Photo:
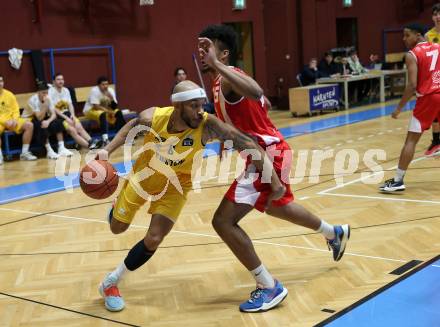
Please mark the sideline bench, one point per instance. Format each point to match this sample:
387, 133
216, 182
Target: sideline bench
11, 142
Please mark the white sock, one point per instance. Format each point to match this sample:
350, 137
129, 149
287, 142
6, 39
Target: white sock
25, 148
399, 175
49, 148
119, 272
327, 230
263, 277
104, 137
60, 145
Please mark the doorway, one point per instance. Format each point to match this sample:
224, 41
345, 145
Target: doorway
245, 50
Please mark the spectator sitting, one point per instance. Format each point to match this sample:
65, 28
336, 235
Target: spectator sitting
102, 107
362, 88
45, 122
327, 67
10, 120
355, 64
375, 63
310, 73
343, 68
63, 107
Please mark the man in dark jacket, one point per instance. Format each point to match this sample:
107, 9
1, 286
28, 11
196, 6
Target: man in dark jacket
310, 73
327, 67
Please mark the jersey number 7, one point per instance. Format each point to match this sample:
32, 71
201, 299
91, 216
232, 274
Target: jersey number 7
434, 55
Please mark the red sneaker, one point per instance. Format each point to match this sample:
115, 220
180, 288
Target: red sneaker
432, 150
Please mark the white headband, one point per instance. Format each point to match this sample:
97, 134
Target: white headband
188, 95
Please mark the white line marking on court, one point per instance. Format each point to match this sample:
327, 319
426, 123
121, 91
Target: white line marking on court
324, 192
381, 198
204, 235
435, 266
304, 198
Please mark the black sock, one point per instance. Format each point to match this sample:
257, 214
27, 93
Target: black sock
138, 255
436, 138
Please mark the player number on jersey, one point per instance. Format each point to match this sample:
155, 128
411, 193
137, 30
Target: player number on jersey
434, 55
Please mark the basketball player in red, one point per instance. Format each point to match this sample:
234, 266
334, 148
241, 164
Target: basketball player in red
424, 80
239, 101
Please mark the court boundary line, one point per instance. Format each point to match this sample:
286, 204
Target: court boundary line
329, 192
221, 242
66, 309
209, 235
377, 292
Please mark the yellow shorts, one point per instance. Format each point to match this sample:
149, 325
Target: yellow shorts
93, 114
66, 125
169, 204
18, 128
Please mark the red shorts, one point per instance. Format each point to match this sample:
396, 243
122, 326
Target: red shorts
256, 193
426, 111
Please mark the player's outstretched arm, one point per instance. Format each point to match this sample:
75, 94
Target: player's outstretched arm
410, 88
233, 80
145, 118
216, 129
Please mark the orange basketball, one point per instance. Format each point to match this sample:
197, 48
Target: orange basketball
98, 179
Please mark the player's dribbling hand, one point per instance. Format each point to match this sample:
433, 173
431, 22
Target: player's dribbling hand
102, 155
395, 114
207, 51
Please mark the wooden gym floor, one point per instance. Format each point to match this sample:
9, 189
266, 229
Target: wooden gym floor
56, 248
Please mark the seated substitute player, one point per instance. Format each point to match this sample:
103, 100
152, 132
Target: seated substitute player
62, 102
45, 120
239, 101
10, 120
102, 107
172, 146
423, 80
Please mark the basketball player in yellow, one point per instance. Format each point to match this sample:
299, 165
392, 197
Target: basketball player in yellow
10, 120
162, 173
433, 36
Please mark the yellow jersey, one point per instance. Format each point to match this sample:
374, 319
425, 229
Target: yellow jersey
171, 154
433, 36
8, 106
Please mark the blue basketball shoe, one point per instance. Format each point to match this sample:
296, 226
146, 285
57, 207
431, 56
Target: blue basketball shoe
263, 299
112, 298
338, 244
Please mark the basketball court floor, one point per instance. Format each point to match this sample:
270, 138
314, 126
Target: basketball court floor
56, 246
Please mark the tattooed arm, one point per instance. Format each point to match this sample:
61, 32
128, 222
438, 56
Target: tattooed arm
145, 118
216, 129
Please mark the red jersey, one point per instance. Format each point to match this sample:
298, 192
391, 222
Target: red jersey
428, 68
249, 116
